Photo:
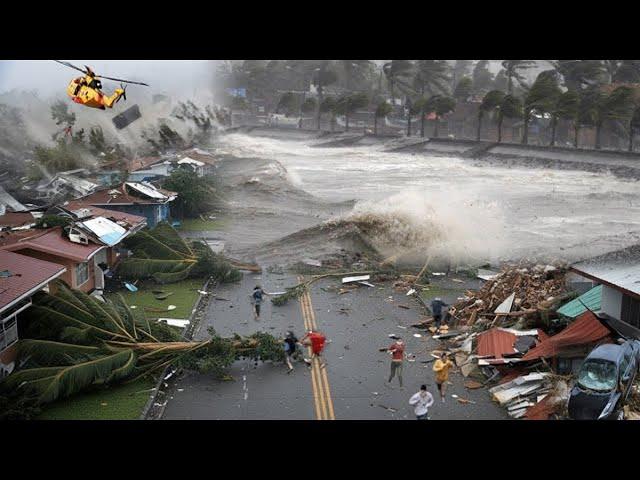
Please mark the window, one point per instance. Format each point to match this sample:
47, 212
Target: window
598, 375
82, 273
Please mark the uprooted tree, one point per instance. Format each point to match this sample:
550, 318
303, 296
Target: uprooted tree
160, 254
73, 342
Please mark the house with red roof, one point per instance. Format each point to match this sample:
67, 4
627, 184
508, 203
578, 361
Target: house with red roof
21, 277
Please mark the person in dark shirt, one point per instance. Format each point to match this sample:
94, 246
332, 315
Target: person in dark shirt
436, 310
256, 299
290, 346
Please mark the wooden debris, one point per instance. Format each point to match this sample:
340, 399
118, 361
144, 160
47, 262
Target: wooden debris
472, 384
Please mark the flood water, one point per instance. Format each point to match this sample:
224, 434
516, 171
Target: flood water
461, 209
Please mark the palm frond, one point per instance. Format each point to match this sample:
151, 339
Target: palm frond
53, 383
50, 352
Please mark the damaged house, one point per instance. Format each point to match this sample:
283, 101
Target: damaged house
136, 198
618, 274
87, 247
20, 278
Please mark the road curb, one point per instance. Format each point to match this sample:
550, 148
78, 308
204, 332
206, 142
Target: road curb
148, 413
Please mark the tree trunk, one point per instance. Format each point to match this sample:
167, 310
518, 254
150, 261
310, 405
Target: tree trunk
422, 124
435, 129
479, 127
393, 98
576, 128
631, 137
409, 125
554, 124
346, 119
319, 100
510, 85
598, 130
500, 129
333, 122
525, 133
375, 125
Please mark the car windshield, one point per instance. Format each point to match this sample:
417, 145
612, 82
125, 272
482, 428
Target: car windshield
598, 375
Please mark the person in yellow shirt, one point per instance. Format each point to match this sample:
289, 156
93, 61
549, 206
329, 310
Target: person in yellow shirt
441, 367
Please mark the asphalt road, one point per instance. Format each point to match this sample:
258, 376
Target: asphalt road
353, 385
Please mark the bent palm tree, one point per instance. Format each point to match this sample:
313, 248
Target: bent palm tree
490, 102
74, 341
161, 254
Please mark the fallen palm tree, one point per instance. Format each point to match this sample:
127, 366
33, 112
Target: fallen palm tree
161, 254
75, 342
298, 290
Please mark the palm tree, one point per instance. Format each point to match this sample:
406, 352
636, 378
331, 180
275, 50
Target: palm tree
420, 106
328, 105
73, 342
482, 77
382, 110
490, 103
395, 70
627, 72
512, 70
580, 74
463, 89
461, 69
541, 98
510, 107
598, 107
355, 70
566, 107
323, 77
348, 104
441, 106
432, 76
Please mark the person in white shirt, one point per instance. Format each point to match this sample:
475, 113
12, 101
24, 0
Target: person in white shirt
422, 401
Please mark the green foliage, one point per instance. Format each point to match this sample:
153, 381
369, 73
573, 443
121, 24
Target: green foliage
432, 76
97, 141
580, 74
49, 221
60, 113
482, 77
510, 107
512, 69
288, 102
348, 104
60, 158
161, 254
383, 109
463, 89
195, 194
239, 103
309, 105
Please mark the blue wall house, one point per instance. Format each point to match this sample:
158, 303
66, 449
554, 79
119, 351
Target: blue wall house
141, 199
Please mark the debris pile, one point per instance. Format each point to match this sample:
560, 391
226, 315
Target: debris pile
527, 293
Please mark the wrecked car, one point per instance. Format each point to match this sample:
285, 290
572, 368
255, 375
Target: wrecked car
604, 382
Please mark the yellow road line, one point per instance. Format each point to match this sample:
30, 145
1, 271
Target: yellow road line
320, 373
315, 369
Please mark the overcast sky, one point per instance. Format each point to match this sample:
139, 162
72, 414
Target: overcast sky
49, 77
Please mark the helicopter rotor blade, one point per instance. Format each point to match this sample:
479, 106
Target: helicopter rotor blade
70, 65
121, 80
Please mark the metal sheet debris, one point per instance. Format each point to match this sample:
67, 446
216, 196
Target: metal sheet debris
356, 279
175, 322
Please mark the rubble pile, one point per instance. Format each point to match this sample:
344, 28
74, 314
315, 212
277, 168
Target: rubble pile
533, 290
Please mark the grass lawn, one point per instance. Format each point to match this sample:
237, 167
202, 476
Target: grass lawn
184, 298
199, 225
120, 402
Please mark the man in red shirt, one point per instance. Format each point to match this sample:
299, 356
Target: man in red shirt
316, 341
396, 350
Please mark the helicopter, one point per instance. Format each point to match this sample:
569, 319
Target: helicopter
87, 90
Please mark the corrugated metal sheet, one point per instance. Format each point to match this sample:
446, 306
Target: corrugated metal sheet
107, 231
592, 299
620, 268
587, 328
496, 343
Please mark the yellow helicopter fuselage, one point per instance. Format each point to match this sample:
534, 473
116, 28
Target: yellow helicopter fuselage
80, 92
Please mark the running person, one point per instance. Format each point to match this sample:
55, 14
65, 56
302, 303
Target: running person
396, 350
256, 299
422, 401
290, 345
441, 367
316, 341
